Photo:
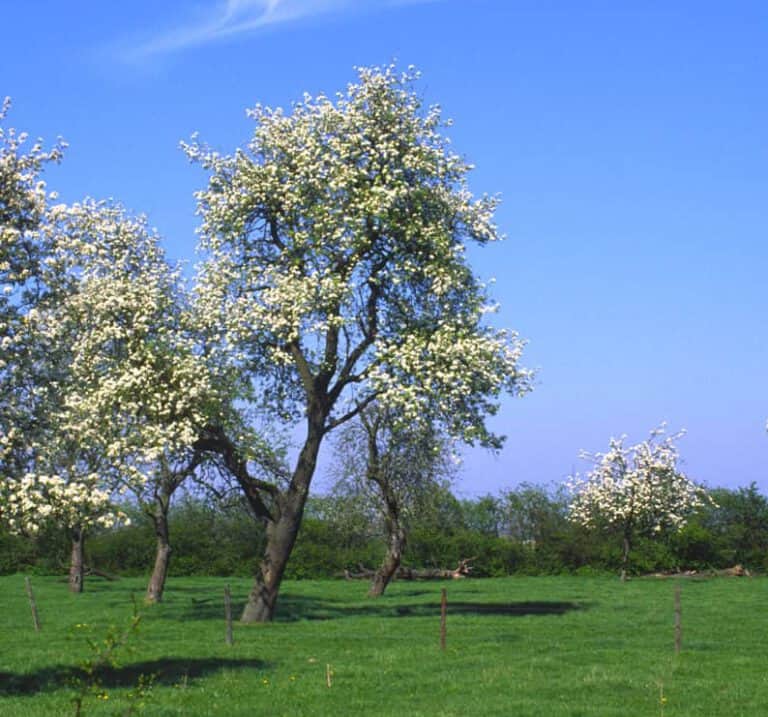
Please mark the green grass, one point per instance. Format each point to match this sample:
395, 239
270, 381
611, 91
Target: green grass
516, 646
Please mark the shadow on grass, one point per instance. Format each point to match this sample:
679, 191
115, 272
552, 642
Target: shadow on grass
168, 671
485, 608
292, 608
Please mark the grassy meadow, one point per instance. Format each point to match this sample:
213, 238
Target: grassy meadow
546, 646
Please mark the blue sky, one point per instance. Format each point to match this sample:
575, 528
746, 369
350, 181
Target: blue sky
629, 142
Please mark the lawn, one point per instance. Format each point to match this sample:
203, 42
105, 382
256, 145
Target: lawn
544, 646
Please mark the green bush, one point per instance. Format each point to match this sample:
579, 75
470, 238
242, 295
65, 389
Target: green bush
523, 532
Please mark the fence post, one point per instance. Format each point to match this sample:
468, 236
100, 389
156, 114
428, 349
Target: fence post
228, 615
443, 615
32, 604
678, 621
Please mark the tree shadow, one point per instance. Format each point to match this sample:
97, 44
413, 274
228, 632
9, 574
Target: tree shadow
166, 671
414, 593
293, 608
485, 608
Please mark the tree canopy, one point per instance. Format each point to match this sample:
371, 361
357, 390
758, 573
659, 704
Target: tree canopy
337, 238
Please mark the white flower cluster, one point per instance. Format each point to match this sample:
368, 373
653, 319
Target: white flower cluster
136, 385
638, 486
34, 500
23, 202
462, 368
336, 251
122, 385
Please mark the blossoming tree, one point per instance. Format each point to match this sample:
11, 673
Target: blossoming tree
105, 386
57, 484
337, 276
635, 489
136, 388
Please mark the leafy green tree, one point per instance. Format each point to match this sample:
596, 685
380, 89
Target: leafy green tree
484, 515
738, 523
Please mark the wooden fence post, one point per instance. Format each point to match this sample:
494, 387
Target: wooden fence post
228, 615
32, 604
443, 616
678, 621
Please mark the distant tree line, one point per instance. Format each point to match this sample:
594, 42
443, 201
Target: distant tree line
521, 531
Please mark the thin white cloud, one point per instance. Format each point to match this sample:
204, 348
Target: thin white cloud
237, 17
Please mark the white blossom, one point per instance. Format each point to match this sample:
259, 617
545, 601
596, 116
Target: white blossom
335, 249
636, 487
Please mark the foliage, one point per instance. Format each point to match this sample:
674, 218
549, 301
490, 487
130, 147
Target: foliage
381, 453
735, 530
340, 532
484, 515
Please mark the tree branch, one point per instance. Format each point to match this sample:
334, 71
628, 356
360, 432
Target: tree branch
217, 442
351, 413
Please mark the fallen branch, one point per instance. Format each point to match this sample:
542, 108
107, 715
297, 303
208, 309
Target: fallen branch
89, 571
737, 571
462, 570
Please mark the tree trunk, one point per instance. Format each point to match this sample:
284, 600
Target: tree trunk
396, 538
281, 537
167, 482
389, 566
156, 584
77, 561
283, 528
625, 557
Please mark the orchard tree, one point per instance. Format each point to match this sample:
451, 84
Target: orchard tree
136, 388
635, 489
337, 276
398, 466
105, 383
57, 484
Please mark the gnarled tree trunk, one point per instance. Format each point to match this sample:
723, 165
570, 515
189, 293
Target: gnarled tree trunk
77, 560
283, 527
168, 481
390, 564
156, 584
396, 539
281, 537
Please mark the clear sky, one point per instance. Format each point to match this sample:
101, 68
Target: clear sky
629, 142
